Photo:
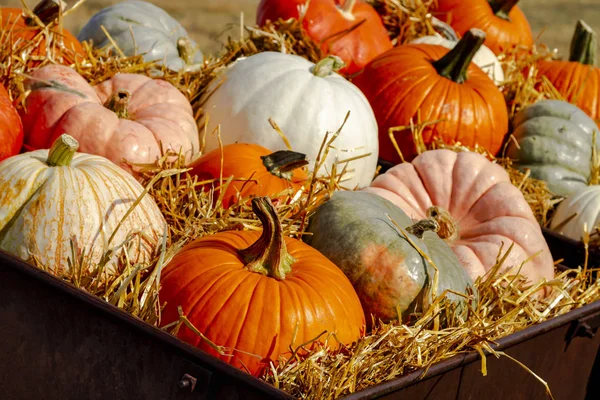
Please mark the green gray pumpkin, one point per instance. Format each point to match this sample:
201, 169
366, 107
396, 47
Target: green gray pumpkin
156, 34
385, 268
555, 140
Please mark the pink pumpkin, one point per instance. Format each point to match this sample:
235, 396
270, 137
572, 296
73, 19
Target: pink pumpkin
483, 210
123, 118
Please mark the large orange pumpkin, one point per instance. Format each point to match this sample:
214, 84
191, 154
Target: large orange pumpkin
256, 171
502, 20
578, 79
26, 29
257, 293
11, 128
434, 84
350, 29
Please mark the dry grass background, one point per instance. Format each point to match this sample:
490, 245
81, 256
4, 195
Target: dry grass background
209, 22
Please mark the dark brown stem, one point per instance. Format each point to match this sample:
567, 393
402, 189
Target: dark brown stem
455, 63
583, 44
118, 103
186, 50
422, 226
62, 151
268, 255
448, 230
282, 163
502, 7
46, 11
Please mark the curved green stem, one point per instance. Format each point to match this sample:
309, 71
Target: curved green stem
327, 66
455, 63
118, 103
62, 151
583, 44
282, 163
268, 255
502, 7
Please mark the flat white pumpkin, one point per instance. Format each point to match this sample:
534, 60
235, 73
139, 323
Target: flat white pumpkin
47, 200
484, 58
579, 208
287, 89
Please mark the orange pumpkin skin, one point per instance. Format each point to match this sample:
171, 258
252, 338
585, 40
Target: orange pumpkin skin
13, 20
326, 21
11, 128
502, 33
403, 83
253, 313
243, 162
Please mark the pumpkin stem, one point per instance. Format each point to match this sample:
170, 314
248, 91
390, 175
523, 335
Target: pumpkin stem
448, 230
327, 66
502, 7
422, 226
186, 50
62, 151
268, 255
282, 163
46, 11
583, 44
455, 63
118, 103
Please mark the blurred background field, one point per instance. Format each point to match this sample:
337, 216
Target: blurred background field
209, 22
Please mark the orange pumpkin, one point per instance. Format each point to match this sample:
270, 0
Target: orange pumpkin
26, 29
578, 79
11, 128
442, 87
256, 171
256, 293
502, 20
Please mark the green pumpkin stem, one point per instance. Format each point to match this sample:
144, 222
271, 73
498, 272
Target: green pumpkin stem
455, 63
268, 255
502, 8
327, 66
118, 103
46, 11
282, 163
62, 151
186, 50
583, 44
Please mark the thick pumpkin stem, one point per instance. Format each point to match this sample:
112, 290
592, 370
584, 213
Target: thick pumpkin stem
455, 63
268, 255
282, 163
118, 103
62, 151
583, 44
327, 66
186, 50
448, 229
503, 7
422, 226
46, 11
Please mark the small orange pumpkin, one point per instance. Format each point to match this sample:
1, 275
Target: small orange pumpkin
256, 293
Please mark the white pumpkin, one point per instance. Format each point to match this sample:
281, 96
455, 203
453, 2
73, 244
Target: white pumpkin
484, 58
579, 208
305, 100
48, 197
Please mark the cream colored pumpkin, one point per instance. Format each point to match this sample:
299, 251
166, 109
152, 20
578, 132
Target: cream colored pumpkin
47, 199
305, 100
578, 209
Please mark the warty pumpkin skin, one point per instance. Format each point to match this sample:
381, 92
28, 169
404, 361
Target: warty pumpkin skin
48, 197
350, 29
502, 20
389, 274
256, 171
580, 208
553, 139
123, 118
250, 291
486, 211
11, 128
305, 100
139, 27
436, 84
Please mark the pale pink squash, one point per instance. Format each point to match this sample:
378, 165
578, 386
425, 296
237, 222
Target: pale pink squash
123, 118
486, 211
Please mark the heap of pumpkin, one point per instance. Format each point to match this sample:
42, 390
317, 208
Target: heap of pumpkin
265, 129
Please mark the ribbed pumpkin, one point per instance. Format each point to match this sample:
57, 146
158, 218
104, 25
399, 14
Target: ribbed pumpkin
579, 211
257, 292
350, 29
502, 20
50, 197
256, 171
436, 84
11, 128
26, 29
578, 79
